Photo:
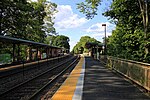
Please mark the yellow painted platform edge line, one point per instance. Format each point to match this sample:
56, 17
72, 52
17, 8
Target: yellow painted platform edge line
67, 80
79, 87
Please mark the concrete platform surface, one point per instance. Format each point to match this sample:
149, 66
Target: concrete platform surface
101, 84
90, 80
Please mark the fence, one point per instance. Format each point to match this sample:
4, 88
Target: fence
136, 71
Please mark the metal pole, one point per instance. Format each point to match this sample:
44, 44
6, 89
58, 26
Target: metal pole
23, 67
14, 46
18, 56
105, 49
37, 49
30, 53
105, 42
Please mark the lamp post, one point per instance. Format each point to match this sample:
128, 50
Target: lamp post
105, 48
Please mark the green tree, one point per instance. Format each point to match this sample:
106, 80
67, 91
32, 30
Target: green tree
89, 8
59, 40
50, 39
145, 13
27, 20
35, 26
50, 9
128, 38
130, 15
80, 46
14, 15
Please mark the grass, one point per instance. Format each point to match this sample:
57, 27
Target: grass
5, 58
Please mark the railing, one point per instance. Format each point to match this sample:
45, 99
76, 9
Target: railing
136, 71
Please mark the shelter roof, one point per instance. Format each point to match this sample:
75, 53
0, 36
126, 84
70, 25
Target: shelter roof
12, 40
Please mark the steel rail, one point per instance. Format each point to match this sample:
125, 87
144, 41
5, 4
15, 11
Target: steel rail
53, 79
9, 90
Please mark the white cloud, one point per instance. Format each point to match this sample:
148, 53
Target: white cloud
97, 28
65, 18
32, 0
101, 34
72, 44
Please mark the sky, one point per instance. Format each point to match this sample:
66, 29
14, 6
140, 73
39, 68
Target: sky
73, 24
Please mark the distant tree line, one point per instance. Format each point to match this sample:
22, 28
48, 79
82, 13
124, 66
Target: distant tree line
80, 46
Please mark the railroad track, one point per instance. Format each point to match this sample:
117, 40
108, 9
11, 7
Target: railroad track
31, 88
13, 76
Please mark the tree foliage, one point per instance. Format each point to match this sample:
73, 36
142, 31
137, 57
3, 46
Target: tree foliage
59, 40
127, 40
131, 38
80, 46
26, 20
50, 9
50, 39
89, 8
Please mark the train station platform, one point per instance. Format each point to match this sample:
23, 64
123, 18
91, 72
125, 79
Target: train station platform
90, 80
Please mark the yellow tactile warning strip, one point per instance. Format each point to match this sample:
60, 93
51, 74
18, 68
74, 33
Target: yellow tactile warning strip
66, 91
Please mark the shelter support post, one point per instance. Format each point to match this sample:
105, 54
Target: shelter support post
14, 46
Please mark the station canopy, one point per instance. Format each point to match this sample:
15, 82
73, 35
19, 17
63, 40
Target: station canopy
7, 39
